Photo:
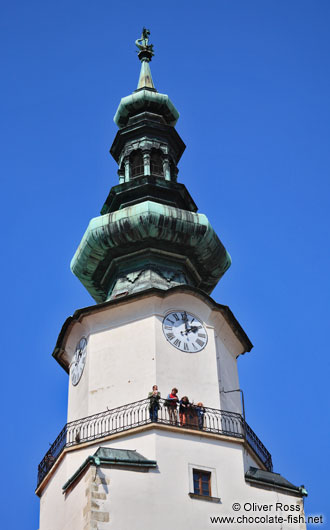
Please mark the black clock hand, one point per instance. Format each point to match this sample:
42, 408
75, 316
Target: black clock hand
194, 329
185, 320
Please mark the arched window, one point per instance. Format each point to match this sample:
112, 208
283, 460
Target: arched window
137, 168
156, 163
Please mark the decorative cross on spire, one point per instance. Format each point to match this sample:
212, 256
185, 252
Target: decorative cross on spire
146, 50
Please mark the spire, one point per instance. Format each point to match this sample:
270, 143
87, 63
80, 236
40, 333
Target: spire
145, 97
145, 55
149, 234
145, 79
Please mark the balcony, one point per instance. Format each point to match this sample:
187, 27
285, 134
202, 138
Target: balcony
137, 414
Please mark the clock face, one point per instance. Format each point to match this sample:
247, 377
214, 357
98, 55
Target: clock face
184, 331
78, 362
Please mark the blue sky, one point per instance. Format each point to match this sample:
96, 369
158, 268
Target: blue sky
251, 81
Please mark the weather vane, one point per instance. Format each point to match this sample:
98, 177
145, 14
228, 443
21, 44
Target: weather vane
146, 50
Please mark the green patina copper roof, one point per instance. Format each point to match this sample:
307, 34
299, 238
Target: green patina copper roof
123, 456
114, 457
169, 230
268, 478
146, 100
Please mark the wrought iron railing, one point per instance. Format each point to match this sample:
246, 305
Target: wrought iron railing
138, 413
258, 447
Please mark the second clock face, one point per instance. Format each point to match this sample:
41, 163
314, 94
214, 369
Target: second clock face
79, 360
184, 331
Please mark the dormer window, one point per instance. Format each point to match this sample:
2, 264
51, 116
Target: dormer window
137, 167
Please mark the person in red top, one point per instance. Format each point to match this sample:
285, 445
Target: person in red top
171, 402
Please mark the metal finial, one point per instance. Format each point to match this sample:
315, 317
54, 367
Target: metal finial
146, 50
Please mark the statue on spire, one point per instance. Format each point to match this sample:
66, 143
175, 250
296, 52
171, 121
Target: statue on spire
146, 50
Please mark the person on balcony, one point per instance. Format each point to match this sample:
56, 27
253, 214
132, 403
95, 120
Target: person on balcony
200, 414
171, 403
184, 410
154, 398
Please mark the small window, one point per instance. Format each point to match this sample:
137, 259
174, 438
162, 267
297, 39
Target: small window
137, 168
202, 482
156, 165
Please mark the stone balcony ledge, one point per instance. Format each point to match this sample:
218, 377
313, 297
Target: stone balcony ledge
133, 415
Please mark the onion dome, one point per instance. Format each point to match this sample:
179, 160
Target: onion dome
149, 234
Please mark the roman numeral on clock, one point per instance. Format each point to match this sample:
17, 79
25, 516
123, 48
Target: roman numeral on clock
184, 331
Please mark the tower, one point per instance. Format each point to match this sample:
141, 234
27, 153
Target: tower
127, 456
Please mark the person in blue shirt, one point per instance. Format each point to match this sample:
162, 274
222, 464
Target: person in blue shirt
200, 414
154, 398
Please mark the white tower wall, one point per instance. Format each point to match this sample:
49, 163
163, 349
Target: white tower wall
127, 353
114, 497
